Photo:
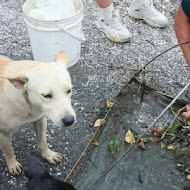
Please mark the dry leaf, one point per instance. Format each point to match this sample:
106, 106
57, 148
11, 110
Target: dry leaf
97, 142
109, 104
99, 122
170, 147
141, 144
157, 139
188, 121
173, 138
130, 139
163, 136
156, 129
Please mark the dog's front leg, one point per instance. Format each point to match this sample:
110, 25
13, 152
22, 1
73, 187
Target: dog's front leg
12, 164
40, 127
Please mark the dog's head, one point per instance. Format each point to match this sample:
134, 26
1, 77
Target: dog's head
40, 179
47, 88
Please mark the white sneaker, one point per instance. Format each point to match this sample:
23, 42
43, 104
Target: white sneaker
113, 28
145, 10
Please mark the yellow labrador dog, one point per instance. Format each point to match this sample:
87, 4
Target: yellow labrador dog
30, 91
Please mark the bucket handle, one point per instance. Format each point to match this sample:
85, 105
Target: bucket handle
81, 39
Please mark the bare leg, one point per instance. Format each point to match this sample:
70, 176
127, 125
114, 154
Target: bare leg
104, 3
12, 164
40, 127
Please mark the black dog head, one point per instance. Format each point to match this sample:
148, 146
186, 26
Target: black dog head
40, 179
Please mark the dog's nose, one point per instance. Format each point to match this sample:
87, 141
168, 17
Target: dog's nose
68, 120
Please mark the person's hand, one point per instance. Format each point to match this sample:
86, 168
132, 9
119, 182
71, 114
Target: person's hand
187, 113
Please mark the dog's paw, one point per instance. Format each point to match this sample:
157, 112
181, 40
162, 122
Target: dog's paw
51, 156
15, 168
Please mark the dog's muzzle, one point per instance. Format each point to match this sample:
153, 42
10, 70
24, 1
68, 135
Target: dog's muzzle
68, 120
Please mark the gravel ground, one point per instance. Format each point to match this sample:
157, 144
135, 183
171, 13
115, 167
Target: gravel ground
100, 74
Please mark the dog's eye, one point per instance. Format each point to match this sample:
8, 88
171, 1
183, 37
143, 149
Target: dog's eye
47, 95
69, 91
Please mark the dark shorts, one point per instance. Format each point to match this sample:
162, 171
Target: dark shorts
185, 4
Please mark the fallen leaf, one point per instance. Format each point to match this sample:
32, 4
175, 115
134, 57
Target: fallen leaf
179, 165
109, 104
188, 121
173, 138
99, 122
188, 177
170, 147
178, 151
97, 142
145, 139
187, 170
129, 138
163, 136
162, 145
157, 139
141, 144
174, 127
114, 146
157, 129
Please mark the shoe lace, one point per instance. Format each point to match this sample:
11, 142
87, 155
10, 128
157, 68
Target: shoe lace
115, 19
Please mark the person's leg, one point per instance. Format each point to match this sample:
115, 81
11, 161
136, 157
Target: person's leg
106, 7
109, 22
144, 9
104, 3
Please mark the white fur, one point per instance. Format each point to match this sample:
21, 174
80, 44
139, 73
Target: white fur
23, 85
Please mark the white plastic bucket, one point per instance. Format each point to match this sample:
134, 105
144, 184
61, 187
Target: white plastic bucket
48, 38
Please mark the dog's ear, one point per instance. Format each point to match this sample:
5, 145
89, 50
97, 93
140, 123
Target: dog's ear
19, 82
61, 57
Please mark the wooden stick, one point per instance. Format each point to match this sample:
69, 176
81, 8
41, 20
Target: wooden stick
94, 135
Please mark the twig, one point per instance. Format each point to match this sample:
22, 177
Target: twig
138, 72
81, 155
94, 135
173, 135
132, 146
119, 67
177, 114
172, 122
185, 171
186, 127
143, 85
103, 97
88, 158
132, 78
176, 117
